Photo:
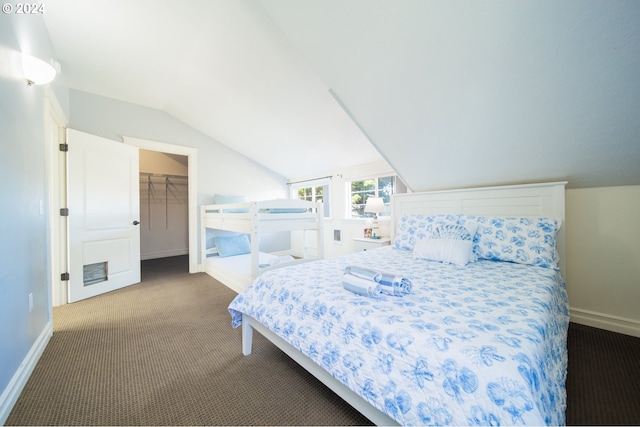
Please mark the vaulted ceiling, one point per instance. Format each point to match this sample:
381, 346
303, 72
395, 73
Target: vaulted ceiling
450, 92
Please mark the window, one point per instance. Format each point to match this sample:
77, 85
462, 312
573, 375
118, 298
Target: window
317, 192
383, 187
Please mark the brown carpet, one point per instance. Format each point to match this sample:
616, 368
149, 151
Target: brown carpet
162, 352
603, 379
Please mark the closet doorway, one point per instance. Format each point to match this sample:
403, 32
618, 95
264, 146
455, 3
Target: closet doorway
175, 156
164, 205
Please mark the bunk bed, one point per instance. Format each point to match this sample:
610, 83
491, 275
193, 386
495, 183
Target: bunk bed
249, 220
480, 341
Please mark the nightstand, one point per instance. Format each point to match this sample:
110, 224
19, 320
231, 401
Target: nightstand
365, 244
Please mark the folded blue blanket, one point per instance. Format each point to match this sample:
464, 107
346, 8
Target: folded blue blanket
363, 273
361, 286
390, 283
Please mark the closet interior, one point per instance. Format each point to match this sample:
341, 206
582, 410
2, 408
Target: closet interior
164, 201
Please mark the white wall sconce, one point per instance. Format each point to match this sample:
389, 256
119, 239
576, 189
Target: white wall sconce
36, 71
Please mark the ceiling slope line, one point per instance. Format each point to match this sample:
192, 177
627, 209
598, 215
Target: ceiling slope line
366, 135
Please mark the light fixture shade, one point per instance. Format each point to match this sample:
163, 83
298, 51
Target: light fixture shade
374, 205
36, 71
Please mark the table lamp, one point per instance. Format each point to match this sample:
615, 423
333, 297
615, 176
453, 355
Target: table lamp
375, 205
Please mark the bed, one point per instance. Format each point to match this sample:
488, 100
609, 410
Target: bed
476, 341
236, 259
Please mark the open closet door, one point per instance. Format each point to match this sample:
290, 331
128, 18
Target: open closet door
104, 209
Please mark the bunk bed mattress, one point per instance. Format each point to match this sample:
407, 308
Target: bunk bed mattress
238, 267
480, 344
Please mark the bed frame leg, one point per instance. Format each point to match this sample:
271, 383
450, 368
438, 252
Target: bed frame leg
247, 337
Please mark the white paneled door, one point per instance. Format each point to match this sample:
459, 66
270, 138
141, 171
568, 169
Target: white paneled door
104, 208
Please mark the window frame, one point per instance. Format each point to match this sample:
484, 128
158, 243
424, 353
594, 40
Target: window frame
295, 187
376, 193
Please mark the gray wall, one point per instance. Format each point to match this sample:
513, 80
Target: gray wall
220, 169
24, 254
25, 257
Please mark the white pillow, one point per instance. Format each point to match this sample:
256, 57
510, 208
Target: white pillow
450, 243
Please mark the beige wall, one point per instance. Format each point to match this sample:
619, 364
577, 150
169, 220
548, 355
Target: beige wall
603, 257
163, 163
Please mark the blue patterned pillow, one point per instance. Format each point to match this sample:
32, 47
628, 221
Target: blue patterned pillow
521, 240
411, 228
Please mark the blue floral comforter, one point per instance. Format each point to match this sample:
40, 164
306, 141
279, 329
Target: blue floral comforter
475, 345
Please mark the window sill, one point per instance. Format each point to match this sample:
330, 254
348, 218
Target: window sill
381, 221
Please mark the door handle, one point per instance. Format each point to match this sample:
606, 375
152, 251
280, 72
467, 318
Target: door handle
136, 222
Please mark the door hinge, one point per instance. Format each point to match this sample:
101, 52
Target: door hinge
64, 276
64, 147
64, 212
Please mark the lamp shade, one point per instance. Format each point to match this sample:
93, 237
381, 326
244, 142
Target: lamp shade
36, 71
374, 205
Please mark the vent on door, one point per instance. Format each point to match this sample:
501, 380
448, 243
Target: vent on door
95, 273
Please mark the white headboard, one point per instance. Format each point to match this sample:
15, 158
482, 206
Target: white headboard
526, 200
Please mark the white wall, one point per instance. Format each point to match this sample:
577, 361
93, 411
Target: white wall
453, 93
603, 257
339, 194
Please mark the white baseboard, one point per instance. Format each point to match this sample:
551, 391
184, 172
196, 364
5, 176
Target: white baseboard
296, 254
282, 253
606, 321
311, 253
14, 388
154, 255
